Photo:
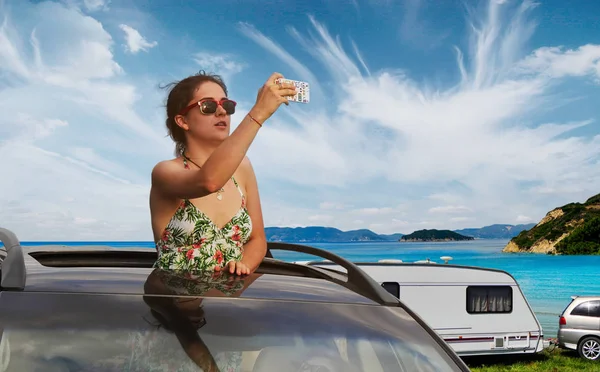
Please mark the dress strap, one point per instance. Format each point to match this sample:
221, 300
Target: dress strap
238, 186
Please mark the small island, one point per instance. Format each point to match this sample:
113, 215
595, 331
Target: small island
434, 235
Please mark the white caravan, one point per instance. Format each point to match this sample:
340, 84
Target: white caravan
477, 311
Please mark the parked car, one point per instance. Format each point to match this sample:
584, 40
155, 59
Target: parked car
579, 327
96, 309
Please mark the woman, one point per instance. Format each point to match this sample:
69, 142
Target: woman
204, 204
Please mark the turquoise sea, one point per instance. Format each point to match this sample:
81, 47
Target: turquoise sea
547, 281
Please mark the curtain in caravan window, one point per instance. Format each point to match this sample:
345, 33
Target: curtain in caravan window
489, 299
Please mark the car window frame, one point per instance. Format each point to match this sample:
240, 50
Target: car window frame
587, 303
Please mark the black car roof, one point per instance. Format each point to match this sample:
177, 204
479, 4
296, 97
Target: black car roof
132, 280
124, 271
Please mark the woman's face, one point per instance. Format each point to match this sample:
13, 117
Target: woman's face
206, 127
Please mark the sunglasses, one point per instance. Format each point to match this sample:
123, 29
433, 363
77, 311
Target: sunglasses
209, 106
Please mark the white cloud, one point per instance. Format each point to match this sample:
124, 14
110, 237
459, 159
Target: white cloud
446, 197
30, 129
396, 223
320, 218
373, 211
376, 147
415, 29
330, 205
523, 219
461, 219
329, 51
556, 62
86, 56
135, 41
303, 72
223, 64
69, 59
73, 142
53, 197
483, 132
95, 5
449, 209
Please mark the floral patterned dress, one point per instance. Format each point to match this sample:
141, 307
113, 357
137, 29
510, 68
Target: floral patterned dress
191, 242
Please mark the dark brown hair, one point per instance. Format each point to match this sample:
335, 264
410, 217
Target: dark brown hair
180, 94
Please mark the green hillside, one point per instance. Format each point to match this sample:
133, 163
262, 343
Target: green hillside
573, 228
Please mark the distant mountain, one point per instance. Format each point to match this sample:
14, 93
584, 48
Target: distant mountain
434, 235
321, 234
496, 231
392, 237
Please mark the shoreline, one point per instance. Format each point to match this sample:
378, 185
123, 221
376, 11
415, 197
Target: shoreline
128, 243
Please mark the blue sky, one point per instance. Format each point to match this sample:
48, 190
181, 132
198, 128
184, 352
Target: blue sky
422, 115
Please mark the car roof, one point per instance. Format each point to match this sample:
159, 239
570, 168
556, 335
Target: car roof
100, 269
264, 285
585, 298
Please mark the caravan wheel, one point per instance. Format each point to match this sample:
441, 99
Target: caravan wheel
589, 348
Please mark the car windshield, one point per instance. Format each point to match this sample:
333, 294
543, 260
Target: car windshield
152, 332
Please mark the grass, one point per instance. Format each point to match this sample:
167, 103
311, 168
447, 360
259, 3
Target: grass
549, 360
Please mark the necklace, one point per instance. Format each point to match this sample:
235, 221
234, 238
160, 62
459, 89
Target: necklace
186, 159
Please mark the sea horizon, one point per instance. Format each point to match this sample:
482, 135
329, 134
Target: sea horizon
149, 243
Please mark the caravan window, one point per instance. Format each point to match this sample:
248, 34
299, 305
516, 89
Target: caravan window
489, 299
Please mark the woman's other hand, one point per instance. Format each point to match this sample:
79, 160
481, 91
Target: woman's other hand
235, 267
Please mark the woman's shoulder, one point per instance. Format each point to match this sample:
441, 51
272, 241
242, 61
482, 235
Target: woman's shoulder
245, 172
166, 166
168, 162
246, 166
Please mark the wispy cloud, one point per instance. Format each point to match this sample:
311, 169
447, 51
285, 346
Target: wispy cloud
375, 148
556, 62
219, 63
96, 5
135, 42
415, 29
449, 209
479, 131
523, 219
328, 51
271, 46
73, 122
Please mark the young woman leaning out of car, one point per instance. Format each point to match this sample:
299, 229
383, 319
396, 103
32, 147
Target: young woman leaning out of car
204, 204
